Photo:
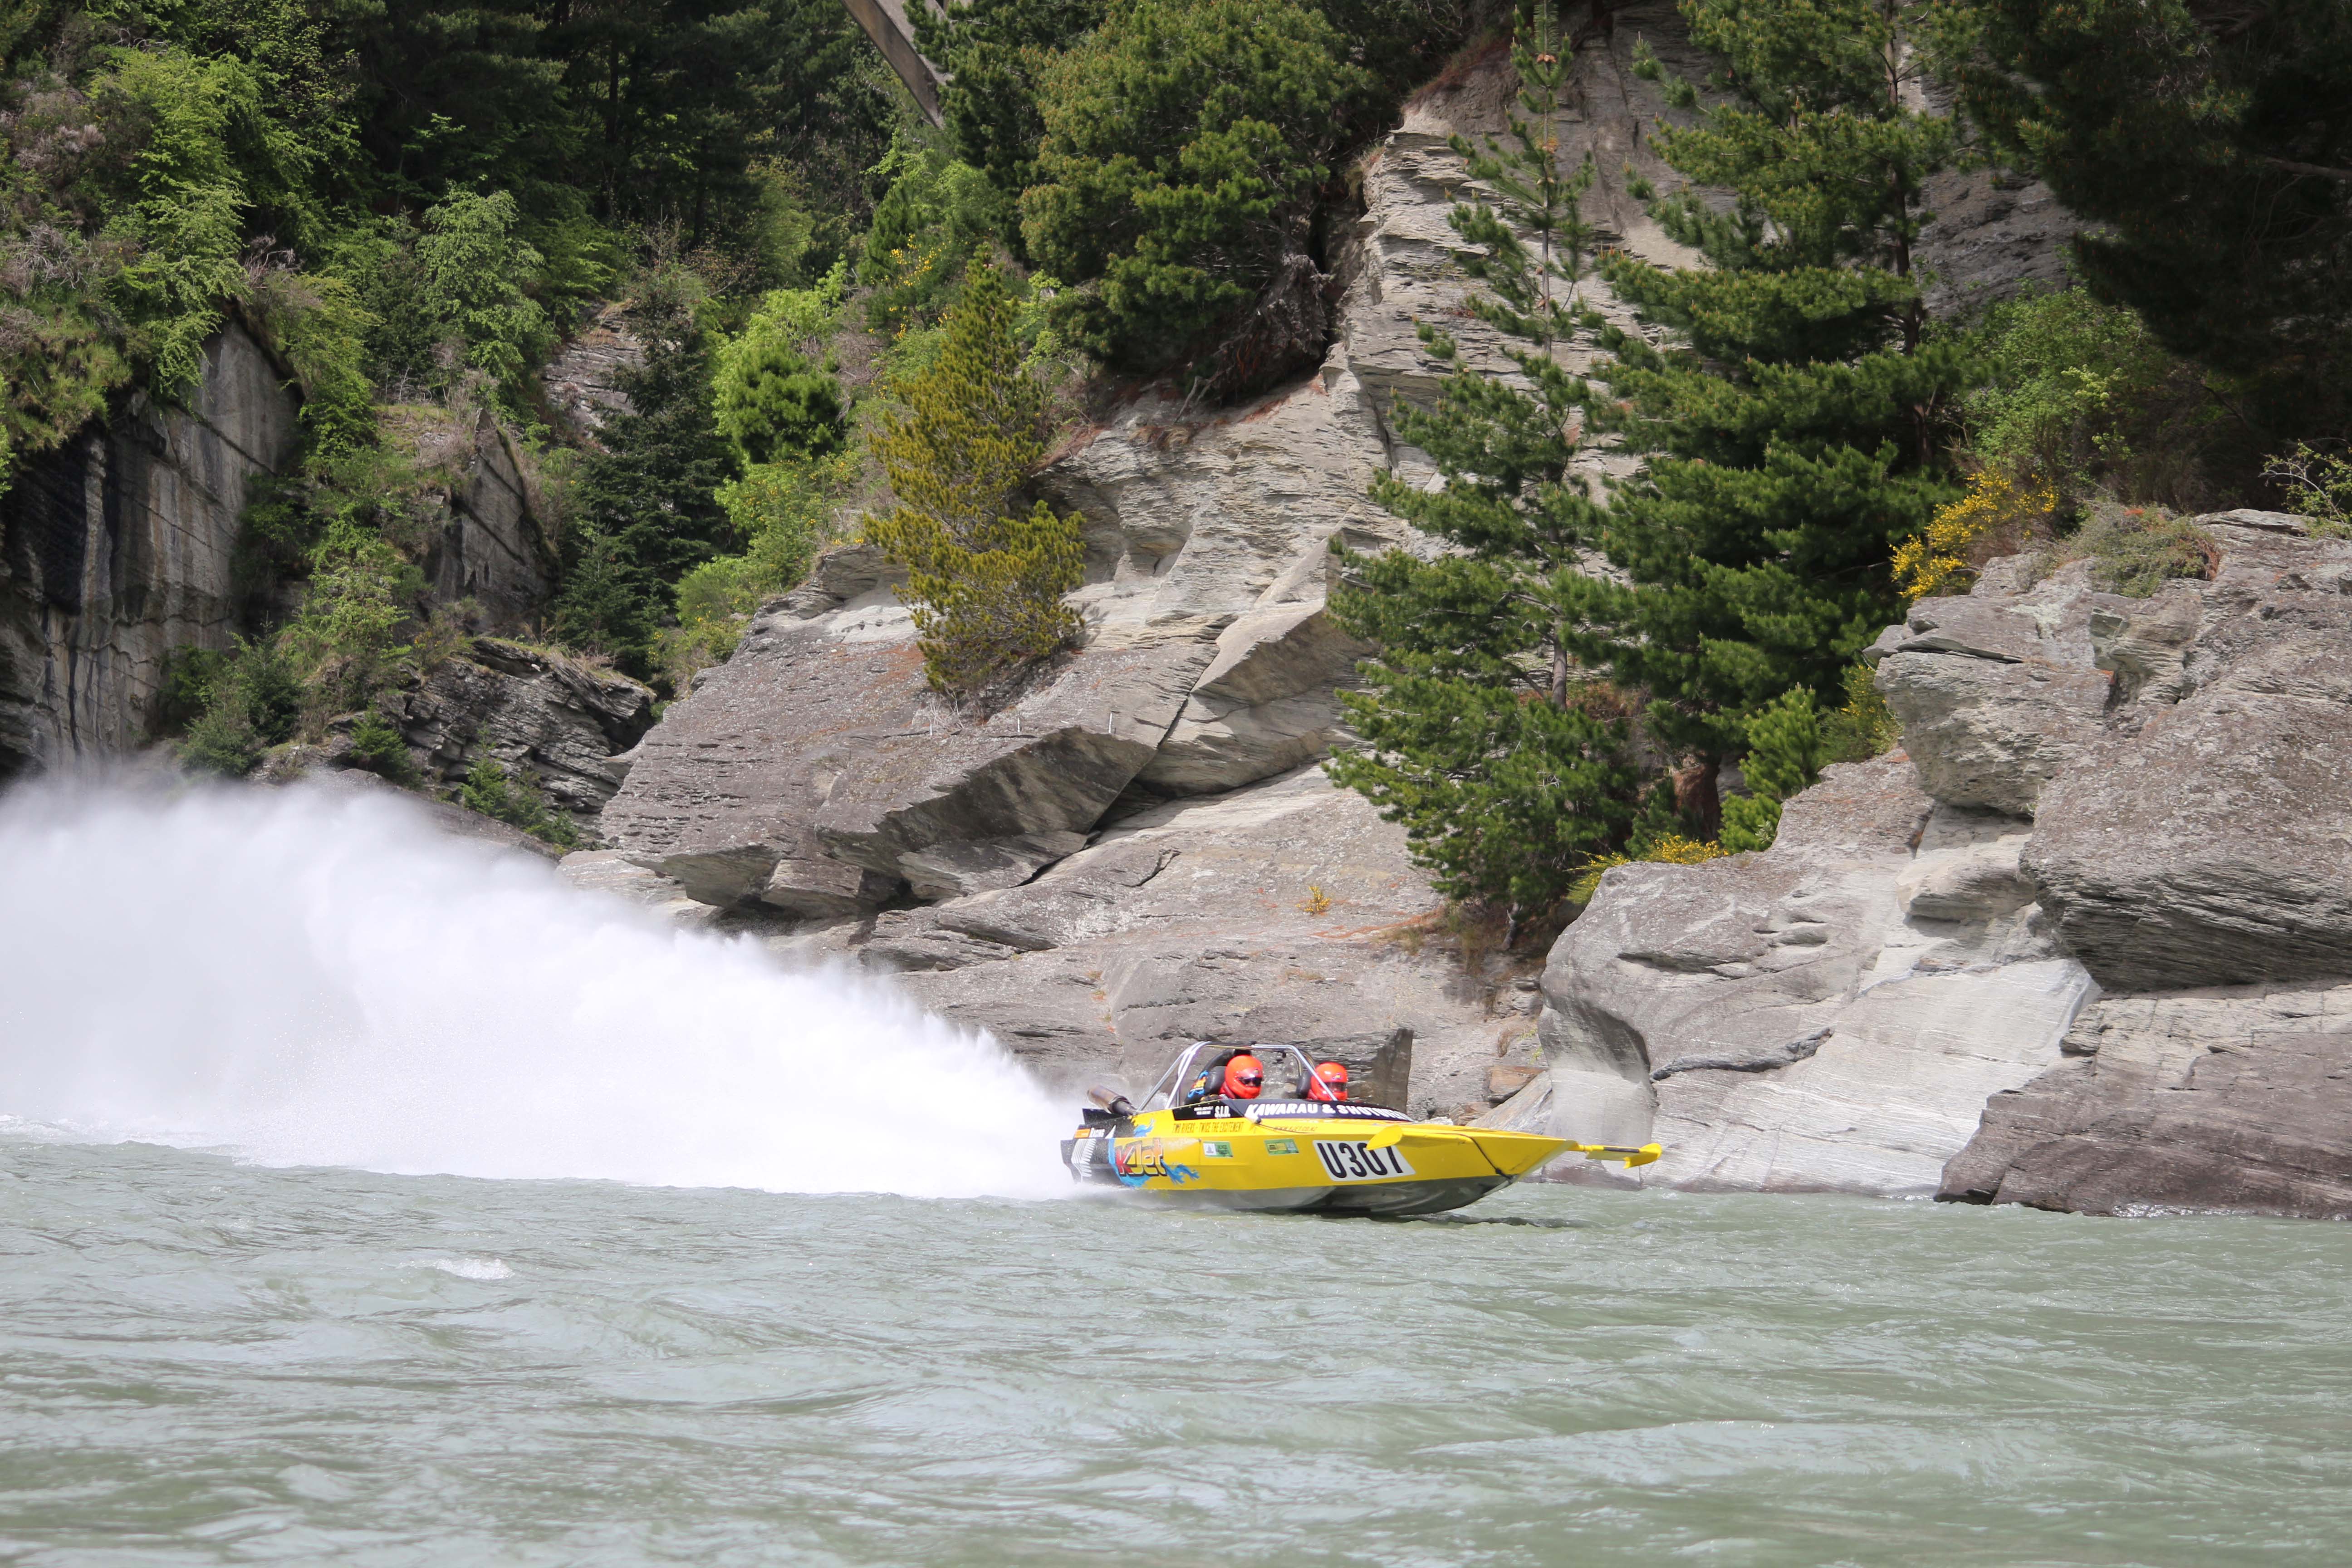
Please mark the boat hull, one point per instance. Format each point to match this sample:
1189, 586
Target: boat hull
1305, 1166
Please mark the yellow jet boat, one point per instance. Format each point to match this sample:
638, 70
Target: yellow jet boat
1299, 1152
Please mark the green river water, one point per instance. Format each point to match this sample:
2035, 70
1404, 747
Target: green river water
204, 1362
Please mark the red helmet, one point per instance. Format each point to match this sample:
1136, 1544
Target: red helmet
1330, 1081
1245, 1075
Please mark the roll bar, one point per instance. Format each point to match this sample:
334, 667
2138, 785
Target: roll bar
1180, 1073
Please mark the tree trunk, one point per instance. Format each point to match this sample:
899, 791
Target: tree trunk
1697, 794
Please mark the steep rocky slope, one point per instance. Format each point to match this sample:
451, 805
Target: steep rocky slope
116, 548
1123, 856
2081, 944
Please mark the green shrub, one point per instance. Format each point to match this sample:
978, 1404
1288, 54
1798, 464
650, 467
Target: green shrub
985, 584
938, 215
771, 400
1184, 143
1787, 748
346, 640
995, 52
646, 508
2318, 484
785, 509
234, 705
379, 747
1865, 727
221, 741
2135, 551
2079, 395
318, 325
515, 800
190, 674
474, 266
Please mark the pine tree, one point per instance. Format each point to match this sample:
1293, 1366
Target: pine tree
648, 507
2212, 145
1793, 425
1507, 772
985, 585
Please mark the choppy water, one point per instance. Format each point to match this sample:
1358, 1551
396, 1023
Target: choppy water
203, 1362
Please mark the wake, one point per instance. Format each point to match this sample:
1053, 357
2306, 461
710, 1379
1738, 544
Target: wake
320, 980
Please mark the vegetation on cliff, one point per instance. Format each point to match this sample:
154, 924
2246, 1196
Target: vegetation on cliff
846, 312
985, 579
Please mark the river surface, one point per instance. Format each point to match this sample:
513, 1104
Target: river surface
208, 1362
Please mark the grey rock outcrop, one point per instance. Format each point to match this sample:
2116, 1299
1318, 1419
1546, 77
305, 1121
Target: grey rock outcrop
490, 548
2110, 970
1285, 910
1829, 1015
1997, 691
2199, 842
585, 376
2211, 1101
562, 722
118, 548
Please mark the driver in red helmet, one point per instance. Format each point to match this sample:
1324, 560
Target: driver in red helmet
1245, 1077
1329, 1082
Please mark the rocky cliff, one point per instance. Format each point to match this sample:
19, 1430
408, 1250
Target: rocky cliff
2083, 944
117, 547
1139, 848
121, 545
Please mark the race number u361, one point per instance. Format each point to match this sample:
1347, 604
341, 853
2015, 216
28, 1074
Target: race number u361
1351, 1161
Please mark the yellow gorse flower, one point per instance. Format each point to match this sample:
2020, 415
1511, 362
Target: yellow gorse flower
1931, 561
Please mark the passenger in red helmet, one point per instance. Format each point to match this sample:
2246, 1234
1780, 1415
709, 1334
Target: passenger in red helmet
1329, 1082
1245, 1075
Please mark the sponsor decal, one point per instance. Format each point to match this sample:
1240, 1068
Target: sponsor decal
1265, 1110
1215, 1150
1137, 1161
1350, 1161
1282, 1145
1215, 1111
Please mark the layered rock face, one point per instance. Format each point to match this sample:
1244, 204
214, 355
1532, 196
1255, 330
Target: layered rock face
563, 722
2103, 885
1829, 1015
998, 861
116, 549
490, 548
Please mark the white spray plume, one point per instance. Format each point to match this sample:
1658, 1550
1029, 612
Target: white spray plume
317, 980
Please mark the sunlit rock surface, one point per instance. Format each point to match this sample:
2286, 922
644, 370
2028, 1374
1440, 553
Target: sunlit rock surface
2109, 966
813, 779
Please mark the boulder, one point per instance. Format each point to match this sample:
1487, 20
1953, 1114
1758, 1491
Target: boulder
820, 742
2198, 1101
2196, 842
2000, 690
1829, 1015
611, 875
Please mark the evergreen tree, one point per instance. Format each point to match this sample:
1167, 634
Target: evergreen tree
995, 54
1185, 141
985, 584
1792, 428
1506, 771
648, 507
2212, 145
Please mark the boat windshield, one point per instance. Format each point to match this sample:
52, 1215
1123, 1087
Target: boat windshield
1284, 1065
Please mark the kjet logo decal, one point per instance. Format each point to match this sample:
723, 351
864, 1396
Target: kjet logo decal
1137, 1162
